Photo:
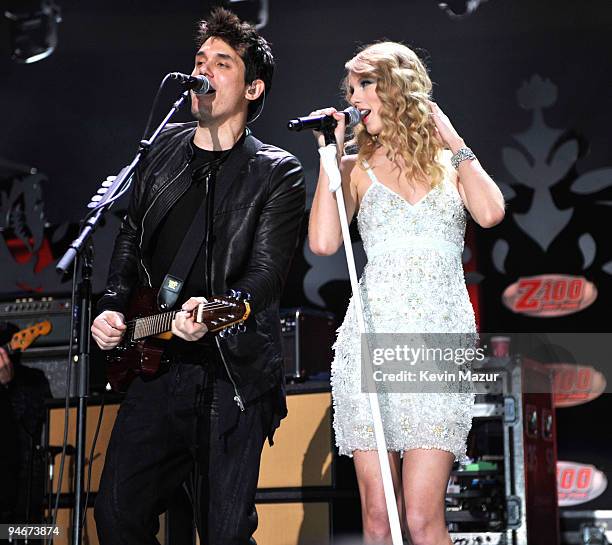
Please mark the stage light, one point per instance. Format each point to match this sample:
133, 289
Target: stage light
33, 34
459, 8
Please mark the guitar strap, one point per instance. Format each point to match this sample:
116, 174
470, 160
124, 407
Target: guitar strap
184, 259
197, 234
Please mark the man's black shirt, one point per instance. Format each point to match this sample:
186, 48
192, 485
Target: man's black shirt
175, 225
170, 234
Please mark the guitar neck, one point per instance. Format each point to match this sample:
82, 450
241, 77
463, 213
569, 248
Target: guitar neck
25, 337
150, 326
217, 314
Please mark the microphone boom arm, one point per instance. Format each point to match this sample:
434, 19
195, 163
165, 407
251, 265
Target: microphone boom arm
118, 187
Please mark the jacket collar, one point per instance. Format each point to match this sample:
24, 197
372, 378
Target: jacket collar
233, 168
227, 179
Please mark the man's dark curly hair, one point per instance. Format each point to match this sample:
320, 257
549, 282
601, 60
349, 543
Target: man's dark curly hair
253, 49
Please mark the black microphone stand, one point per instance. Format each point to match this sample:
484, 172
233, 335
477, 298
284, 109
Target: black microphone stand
80, 250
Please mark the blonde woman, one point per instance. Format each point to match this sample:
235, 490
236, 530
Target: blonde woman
410, 183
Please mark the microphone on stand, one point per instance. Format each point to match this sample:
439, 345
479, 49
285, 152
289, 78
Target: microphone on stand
200, 85
317, 122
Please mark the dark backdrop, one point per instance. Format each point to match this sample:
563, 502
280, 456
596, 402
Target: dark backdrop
526, 83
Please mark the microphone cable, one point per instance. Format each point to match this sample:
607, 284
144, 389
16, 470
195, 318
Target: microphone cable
60, 475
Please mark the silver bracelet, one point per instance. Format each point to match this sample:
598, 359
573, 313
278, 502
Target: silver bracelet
461, 155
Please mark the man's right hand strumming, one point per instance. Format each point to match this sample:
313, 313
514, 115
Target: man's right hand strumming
108, 329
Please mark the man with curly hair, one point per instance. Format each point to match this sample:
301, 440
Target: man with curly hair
201, 423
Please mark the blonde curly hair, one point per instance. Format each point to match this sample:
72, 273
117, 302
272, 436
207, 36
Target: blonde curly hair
408, 131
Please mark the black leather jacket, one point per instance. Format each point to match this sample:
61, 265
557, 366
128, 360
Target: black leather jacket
258, 207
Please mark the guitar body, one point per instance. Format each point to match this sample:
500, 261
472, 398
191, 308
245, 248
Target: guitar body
125, 363
140, 351
133, 358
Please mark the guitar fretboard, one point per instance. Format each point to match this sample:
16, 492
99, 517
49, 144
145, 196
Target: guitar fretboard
160, 323
150, 325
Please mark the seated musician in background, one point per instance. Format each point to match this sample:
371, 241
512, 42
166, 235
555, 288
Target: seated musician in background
204, 418
9, 453
7, 371
22, 413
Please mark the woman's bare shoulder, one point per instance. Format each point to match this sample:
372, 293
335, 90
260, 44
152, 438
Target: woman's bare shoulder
347, 167
348, 161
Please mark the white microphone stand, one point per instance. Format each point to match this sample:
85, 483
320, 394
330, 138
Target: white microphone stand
330, 165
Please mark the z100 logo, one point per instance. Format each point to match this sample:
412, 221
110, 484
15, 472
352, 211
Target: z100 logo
575, 384
578, 483
549, 295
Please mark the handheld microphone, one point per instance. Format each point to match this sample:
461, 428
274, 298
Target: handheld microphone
200, 85
317, 122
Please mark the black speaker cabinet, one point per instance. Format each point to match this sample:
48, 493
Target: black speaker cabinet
308, 336
53, 363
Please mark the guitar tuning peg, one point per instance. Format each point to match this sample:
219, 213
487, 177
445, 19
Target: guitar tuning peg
223, 333
241, 327
233, 330
238, 294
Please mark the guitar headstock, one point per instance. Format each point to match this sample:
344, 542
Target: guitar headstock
24, 338
221, 313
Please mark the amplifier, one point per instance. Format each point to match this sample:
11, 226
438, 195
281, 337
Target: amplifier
308, 336
303, 463
22, 313
53, 362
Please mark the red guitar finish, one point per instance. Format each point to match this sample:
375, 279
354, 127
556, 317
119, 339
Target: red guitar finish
142, 346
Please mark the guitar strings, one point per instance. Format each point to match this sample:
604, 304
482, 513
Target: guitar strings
150, 325
210, 306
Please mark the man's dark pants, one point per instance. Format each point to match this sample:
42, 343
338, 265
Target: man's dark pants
167, 433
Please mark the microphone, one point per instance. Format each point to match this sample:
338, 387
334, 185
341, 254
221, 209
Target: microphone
317, 122
200, 85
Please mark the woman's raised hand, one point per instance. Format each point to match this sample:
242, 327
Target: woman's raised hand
338, 131
447, 133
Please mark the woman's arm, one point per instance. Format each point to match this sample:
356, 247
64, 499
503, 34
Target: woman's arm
479, 192
324, 231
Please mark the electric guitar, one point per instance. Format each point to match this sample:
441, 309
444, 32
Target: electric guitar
141, 348
25, 337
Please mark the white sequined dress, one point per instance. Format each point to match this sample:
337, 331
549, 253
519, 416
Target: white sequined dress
413, 282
